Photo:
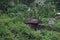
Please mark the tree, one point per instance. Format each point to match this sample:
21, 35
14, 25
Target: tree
27, 2
3, 5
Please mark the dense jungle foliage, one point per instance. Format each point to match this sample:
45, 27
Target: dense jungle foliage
14, 12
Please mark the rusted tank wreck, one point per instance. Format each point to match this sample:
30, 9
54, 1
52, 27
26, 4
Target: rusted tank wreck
34, 24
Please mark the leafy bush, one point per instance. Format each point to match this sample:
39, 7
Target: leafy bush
13, 29
56, 26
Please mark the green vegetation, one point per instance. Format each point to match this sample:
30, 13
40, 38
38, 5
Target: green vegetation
12, 17
13, 29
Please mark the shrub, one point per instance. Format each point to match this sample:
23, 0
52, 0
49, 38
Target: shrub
13, 29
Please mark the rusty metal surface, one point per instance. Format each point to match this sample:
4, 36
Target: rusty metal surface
32, 20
